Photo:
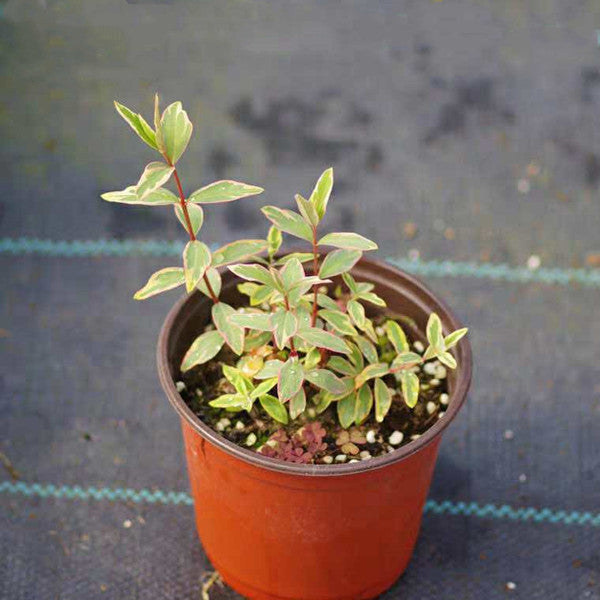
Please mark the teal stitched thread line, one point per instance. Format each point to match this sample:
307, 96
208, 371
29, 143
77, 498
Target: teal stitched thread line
432, 268
466, 509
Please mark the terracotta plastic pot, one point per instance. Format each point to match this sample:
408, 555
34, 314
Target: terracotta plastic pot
276, 530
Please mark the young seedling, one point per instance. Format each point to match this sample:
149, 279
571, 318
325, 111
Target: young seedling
303, 342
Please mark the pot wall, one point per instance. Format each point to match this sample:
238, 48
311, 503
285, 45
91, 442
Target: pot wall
276, 530
274, 535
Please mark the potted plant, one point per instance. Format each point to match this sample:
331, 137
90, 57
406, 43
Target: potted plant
313, 388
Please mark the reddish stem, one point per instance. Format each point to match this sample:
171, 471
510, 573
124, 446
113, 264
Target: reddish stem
190, 228
313, 318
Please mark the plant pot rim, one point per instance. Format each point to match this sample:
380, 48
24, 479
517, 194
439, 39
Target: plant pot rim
457, 394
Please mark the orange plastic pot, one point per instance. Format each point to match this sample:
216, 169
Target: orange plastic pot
281, 531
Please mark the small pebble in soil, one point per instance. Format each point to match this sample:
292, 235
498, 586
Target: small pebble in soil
522, 478
418, 346
239, 425
429, 368
440, 415
444, 399
180, 386
371, 436
127, 523
311, 412
328, 460
365, 455
434, 382
341, 458
251, 439
353, 460
440, 372
511, 585
431, 407
396, 438
509, 434
415, 437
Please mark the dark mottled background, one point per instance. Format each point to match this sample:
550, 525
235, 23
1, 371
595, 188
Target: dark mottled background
464, 129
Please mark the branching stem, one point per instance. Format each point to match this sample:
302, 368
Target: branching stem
189, 227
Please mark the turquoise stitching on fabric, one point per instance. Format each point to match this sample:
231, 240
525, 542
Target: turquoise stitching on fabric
466, 509
431, 268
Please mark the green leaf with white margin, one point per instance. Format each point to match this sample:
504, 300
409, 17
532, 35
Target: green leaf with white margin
367, 348
203, 348
138, 124
301, 256
290, 379
370, 372
326, 380
322, 402
253, 273
339, 321
383, 400
298, 403
339, 261
224, 191
270, 369
364, 404
307, 210
322, 191
312, 358
155, 174
214, 278
174, 132
323, 339
238, 380
434, 332
291, 273
410, 388
288, 221
357, 313
196, 259
161, 281
451, 340
346, 410
274, 240
372, 298
232, 401
356, 357
233, 334
350, 283
447, 359
326, 302
348, 241
274, 408
262, 388
253, 320
159, 197
406, 360
195, 213
397, 336
285, 326
238, 251
341, 365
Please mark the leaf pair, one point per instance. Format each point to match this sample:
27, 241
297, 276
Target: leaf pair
438, 345
247, 393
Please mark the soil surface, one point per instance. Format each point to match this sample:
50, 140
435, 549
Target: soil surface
317, 438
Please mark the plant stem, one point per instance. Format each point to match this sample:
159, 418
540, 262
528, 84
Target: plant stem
313, 318
190, 228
